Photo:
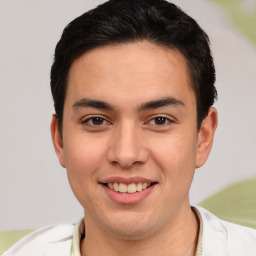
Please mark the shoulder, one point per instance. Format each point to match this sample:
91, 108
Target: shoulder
225, 237
49, 241
241, 240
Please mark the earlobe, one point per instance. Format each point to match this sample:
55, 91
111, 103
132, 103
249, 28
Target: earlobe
57, 140
205, 137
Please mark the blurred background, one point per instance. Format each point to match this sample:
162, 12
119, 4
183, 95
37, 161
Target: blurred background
34, 190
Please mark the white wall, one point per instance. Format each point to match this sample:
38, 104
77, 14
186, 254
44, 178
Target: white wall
34, 190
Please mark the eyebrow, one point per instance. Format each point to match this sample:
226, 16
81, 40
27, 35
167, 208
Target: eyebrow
161, 103
85, 103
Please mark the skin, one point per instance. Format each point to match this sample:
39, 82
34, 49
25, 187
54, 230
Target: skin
127, 141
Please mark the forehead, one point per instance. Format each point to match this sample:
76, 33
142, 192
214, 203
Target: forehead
129, 70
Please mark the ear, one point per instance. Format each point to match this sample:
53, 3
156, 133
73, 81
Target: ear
205, 137
57, 140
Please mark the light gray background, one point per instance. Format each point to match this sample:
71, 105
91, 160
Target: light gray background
34, 190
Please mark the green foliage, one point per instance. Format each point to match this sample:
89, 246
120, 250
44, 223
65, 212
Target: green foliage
10, 237
244, 19
236, 203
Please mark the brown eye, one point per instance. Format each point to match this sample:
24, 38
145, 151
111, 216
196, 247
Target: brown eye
97, 120
160, 120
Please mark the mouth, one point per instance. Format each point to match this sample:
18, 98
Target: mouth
128, 191
128, 188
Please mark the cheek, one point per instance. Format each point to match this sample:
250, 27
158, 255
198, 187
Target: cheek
83, 158
176, 156
81, 155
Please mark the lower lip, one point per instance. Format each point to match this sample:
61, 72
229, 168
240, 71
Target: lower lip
126, 198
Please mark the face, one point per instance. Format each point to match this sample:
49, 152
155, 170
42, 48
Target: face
130, 140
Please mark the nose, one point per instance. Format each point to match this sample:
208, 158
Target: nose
126, 148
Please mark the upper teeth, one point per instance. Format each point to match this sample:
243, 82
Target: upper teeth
130, 188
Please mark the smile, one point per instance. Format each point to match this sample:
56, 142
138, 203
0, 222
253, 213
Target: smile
128, 188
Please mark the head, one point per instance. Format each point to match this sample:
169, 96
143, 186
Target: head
133, 85
121, 22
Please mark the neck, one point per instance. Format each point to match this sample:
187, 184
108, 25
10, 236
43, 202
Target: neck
178, 238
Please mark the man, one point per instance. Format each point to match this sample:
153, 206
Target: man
133, 89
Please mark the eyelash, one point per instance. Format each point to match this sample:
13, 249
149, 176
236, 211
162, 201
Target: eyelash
89, 121
161, 118
94, 118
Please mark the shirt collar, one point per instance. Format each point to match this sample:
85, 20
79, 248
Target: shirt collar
199, 249
78, 234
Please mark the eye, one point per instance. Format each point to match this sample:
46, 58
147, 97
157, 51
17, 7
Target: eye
160, 121
95, 121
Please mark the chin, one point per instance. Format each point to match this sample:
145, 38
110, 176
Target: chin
131, 233
131, 227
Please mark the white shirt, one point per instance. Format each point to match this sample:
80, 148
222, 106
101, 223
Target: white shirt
216, 238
